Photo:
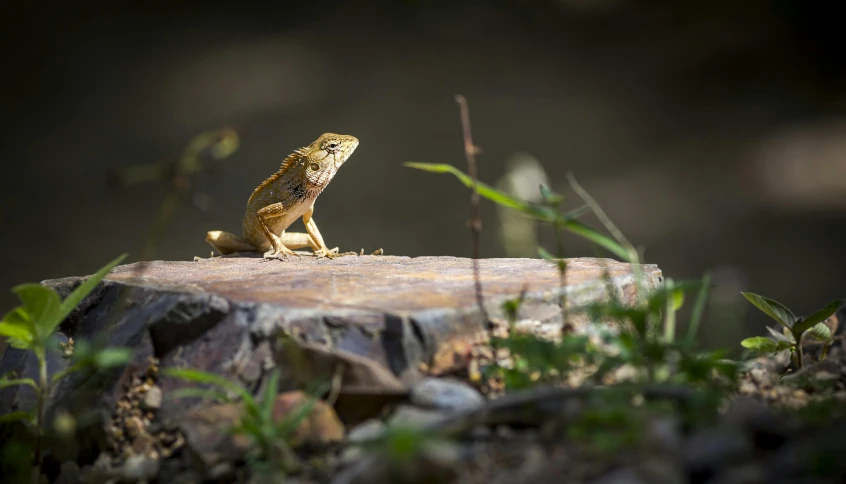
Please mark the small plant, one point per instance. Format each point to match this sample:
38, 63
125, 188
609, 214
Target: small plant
794, 331
271, 440
32, 327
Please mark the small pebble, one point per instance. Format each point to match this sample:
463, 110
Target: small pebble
153, 398
446, 394
139, 467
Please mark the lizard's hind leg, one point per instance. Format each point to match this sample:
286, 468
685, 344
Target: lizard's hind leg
297, 240
227, 243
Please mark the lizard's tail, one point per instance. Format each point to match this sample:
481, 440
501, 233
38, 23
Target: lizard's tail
226, 243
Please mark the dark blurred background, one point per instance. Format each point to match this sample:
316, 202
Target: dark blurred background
713, 133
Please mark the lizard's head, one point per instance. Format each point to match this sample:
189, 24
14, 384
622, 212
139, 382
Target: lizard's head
325, 155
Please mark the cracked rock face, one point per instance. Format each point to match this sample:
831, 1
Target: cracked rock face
219, 315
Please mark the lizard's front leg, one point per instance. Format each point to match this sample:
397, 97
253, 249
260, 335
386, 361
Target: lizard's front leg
264, 216
318, 245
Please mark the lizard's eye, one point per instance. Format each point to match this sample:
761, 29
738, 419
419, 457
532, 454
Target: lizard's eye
314, 166
333, 146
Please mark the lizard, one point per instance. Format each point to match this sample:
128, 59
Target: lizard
285, 196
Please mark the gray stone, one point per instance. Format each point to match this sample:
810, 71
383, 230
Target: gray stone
446, 394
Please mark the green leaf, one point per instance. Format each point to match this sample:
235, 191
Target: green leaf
762, 344
19, 335
772, 308
42, 304
819, 332
19, 381
111, 357
781, 336
15, 417
76, 297
819, 316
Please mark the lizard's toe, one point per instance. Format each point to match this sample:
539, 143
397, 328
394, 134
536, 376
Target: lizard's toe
281, 254
328, 253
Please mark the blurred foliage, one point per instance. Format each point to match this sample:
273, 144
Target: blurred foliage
271, 454
32, 327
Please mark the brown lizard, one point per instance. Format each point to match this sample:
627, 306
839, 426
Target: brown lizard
287, 195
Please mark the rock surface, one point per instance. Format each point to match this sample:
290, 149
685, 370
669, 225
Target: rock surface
373, 326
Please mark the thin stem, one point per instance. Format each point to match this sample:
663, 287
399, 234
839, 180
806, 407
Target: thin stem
39, 416
562, 274
824, 353
470, 151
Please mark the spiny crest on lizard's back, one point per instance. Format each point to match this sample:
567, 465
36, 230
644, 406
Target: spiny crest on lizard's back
311, 168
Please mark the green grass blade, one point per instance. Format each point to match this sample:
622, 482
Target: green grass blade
699, 307
18, 381
483, 189
269, 397
583, 230
76, 297
198, 376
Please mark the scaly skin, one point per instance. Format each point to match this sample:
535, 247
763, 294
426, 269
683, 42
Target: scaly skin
287, 195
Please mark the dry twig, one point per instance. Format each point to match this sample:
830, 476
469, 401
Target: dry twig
470, 151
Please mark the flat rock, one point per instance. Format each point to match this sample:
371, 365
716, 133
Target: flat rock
219, 314
381, 284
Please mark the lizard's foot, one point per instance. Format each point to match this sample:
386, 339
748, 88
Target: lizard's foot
282, 253
330, 253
